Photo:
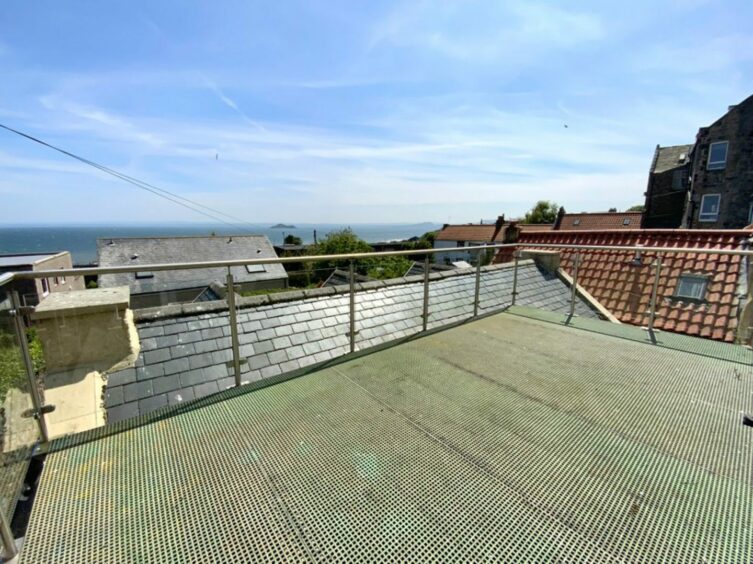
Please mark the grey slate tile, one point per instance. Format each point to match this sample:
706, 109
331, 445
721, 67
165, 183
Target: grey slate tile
122, 412
211, 333
178, 397
137, 391
258, 361
150, 371
205, 389
175, 366
121, 377
151, 331
154, 357
150, 404
166, 384
207, 345
113, 396
191, 378
199, 361
168, 341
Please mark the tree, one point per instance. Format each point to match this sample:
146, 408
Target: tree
612, 210
638, 208
345, 241
543, 212
292, 240
425, 241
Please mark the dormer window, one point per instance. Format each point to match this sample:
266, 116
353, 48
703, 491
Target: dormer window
717, 155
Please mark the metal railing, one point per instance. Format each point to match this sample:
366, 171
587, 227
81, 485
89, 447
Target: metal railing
20, 312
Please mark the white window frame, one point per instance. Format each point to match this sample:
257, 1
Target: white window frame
700, 278
45, 287
717, 165
706, 218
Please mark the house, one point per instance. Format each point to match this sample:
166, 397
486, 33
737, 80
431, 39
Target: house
708, 185
31, 292
667, 191
476, 234
149, 289
698, 294
594, 221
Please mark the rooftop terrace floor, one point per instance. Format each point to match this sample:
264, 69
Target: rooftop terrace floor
506, 438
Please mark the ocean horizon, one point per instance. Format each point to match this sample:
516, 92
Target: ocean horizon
81, 240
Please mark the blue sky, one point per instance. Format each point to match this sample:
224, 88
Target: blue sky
356, 111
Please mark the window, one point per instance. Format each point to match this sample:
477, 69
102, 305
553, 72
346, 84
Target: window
750, 214
717, 155
709, 207
251, 268
626, 221
691, 286
576, 222
45, 287
144, 274
461, 244
678, 179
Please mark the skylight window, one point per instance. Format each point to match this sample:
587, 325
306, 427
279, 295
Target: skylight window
717, 155
692, 286
576, 222
626, 221
253, 268
709, 207
144, 274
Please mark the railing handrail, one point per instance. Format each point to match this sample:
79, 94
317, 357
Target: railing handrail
26, 275
99, 270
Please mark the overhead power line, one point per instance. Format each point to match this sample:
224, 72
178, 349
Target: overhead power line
161, 192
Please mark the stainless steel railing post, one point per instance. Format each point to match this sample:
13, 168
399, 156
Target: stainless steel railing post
352, 330
425, 314
478, 284
233, 328
514, 277
574, 289
9, 543
36, 396
654, 292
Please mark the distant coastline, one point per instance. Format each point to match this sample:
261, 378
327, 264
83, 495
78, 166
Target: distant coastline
81, 240
282, 226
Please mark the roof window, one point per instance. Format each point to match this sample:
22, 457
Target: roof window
144, 274
576, 221
691, 286
252, 268
626, 221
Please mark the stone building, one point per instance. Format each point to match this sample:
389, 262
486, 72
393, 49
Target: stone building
708, 185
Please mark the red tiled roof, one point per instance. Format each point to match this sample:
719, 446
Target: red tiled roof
625, 288
467, 233
600, 221
522, 227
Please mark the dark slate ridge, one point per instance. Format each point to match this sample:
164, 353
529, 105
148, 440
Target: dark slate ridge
186, 356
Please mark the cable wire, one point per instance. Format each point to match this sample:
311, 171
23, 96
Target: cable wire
161, 192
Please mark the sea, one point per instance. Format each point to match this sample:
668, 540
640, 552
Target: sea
81, 240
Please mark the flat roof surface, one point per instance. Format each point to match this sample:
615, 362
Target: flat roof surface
23, 260
506, 439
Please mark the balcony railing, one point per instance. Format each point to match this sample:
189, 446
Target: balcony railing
44, 387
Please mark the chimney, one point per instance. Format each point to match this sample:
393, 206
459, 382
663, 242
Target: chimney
560, 215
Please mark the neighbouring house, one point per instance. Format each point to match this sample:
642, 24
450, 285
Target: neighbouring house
154, 288
31, 292
590, 221
341, 277
705, 295
457, 237
667, 192
711, 182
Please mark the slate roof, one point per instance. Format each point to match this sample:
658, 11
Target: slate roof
599, 221
417, 268
668, 158
342, 278
625, 289
186, 356
132, 251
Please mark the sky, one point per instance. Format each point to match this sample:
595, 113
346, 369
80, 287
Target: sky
342, 111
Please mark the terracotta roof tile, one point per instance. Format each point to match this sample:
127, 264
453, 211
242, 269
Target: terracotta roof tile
600, 221
624, 288
483, 233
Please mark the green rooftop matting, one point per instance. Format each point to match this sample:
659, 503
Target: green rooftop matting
504, 439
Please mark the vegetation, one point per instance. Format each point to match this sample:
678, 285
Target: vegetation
425, 241
92, 284
292, 240
543, 212
638, 208
12, 371
345, 241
